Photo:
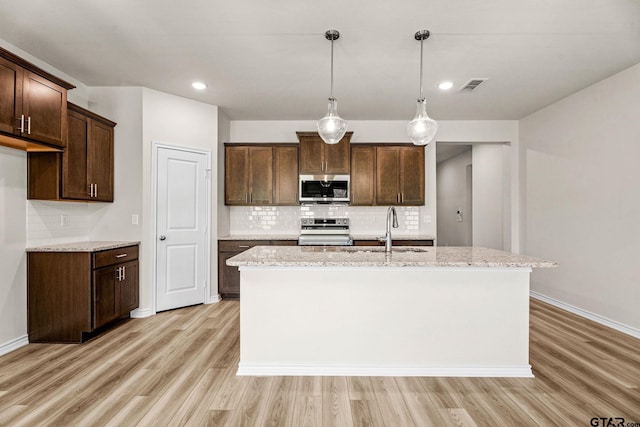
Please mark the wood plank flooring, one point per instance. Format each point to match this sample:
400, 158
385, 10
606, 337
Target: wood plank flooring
178, 368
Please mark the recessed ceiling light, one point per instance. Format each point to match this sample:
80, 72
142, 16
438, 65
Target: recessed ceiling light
445, 85
199, 85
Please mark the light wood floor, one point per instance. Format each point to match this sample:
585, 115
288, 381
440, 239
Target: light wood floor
178, 368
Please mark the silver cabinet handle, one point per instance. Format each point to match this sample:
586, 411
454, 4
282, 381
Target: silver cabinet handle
118, 274
21, 128
246, 197
121, 256
250, 197
398, 197
90, 190
95, 191
29, 125
401, 197
124, 272
243, 246
163, 237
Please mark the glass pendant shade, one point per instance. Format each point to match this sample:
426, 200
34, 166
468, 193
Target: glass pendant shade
422, 129
332, 127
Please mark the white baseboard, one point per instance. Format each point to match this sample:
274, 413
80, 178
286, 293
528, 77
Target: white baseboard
140, 313
254, 369
14, 344
213, 299
625, 329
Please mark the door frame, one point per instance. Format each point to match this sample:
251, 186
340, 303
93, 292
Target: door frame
155, 146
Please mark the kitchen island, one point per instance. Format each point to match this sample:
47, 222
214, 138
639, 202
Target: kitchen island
418, 311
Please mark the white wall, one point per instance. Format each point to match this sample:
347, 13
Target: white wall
113, 221
224, 135
452, 195
488, 185
582, 193
177, 121
13, 241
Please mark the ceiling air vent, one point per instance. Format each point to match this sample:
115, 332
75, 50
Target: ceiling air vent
472, 85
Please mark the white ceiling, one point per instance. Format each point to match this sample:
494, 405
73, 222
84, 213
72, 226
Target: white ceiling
269, 60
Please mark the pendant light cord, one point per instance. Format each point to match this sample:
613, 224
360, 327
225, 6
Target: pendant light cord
421, 50
331, 69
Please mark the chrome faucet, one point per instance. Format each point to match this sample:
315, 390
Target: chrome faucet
391, 214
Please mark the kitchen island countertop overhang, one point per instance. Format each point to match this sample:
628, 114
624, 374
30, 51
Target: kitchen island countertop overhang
437, 311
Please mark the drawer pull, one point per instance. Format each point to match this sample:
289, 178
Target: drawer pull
121, 256
243, 246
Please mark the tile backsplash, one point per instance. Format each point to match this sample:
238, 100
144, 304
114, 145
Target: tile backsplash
56, 222
286, 219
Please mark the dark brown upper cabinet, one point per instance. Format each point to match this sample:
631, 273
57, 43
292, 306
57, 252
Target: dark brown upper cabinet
285, 175
261, 174
84, 171
363, 175
248, 175
400, 175
318, 157
33, 106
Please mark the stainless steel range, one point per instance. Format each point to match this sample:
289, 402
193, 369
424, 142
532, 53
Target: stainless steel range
325, 232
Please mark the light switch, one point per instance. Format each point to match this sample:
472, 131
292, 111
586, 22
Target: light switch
135, 219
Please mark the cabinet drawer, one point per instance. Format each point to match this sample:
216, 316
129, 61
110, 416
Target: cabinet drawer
239, 245
113, 256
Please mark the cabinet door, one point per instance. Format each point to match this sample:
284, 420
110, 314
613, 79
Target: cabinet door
228, 276
311, 155
236, 176
336, 157
128, 287
387, 175
261, 175
412, 176
74, 159
285, 170
45, 105
106, 304
363, 175
100, 160
11, 76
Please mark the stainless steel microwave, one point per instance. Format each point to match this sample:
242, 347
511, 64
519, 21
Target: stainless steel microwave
324, 188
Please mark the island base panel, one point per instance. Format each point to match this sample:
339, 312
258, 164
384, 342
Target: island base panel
347, 321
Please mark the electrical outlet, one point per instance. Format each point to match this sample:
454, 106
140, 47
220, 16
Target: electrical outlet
135, 219
63, 220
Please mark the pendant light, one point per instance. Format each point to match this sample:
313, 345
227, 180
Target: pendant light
332, 127
422, 128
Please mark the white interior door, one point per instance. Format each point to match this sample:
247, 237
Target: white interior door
181, 228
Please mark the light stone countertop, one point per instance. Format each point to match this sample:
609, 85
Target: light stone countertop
89, 246
260, 237
295, 237
406, 256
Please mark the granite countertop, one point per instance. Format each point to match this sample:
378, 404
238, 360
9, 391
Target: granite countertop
406, 256
395, 236
295, 237
260, 237
89, 246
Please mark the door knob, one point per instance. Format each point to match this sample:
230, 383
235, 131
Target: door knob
163, 237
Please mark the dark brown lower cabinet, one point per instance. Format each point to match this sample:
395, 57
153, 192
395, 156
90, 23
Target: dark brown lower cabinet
71, 296
228, 276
